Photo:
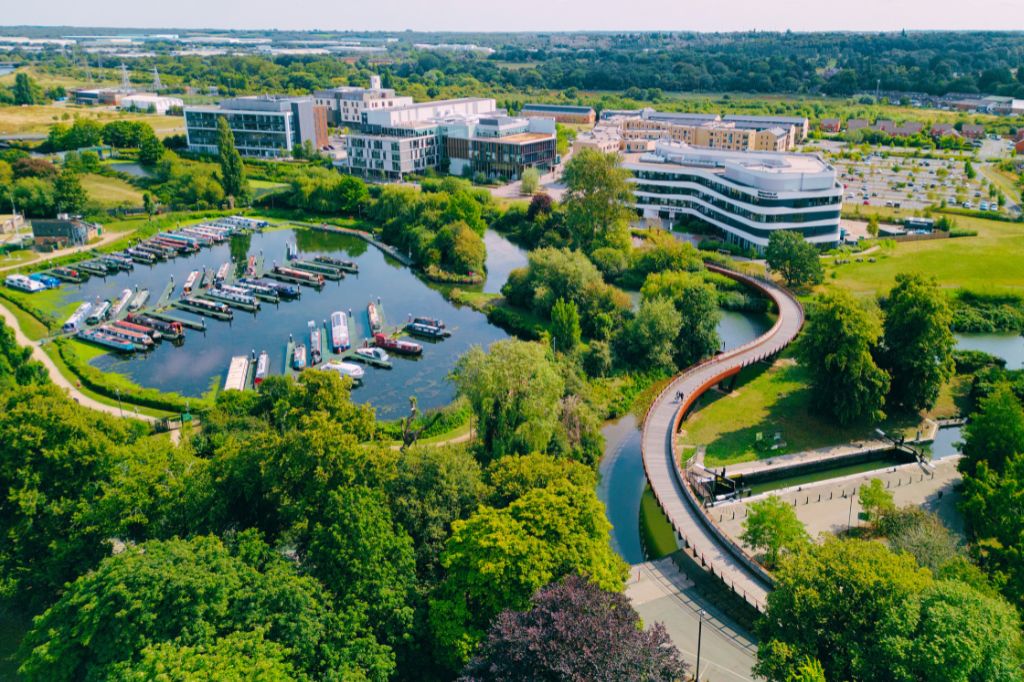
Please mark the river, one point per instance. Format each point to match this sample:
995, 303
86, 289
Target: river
202, 361
622, 470
1009, 347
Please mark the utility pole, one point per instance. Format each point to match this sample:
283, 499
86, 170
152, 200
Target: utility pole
700, 631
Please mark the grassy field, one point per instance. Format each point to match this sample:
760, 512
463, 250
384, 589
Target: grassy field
768, 400
993, 260
1002, 180
38, 119
110, 191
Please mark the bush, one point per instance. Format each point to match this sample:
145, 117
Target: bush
514, 322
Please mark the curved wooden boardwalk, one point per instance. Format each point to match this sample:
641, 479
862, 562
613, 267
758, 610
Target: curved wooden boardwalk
705, 542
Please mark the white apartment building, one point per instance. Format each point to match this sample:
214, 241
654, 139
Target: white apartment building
746, 195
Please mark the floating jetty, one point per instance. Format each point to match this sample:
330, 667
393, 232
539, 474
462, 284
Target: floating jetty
328, 271
238, 372
164, 316
204, 307
340, 263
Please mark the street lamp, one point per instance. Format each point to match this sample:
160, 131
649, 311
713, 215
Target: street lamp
700, 631
119, 406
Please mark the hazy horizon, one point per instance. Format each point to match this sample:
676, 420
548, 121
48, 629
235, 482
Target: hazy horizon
525, 15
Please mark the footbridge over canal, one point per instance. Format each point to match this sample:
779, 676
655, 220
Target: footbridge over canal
701, 537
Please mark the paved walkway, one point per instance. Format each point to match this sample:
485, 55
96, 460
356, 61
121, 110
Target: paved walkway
658, 444
832, 506
43, 257
661, 594
58, 379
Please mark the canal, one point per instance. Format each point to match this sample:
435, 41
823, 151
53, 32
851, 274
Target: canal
1009, 347
202, 361
622, 471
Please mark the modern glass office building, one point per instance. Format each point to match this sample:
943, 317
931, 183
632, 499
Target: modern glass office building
746, 195
264, 126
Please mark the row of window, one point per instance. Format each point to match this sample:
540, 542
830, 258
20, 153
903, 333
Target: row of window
719, 218
728, 190
733, 208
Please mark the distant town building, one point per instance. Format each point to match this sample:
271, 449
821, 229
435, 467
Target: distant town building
157, 104
908, 129
346, 105
11, 222
638, 131
97, 96
63, 231
264, 126
944, 130
562, 113
745, 195
855, 124
830, 125
973, 131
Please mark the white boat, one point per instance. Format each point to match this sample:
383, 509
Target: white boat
190, 283
140, 300
121, 303
339, 332
373, 353
344, 369
24, 283
237, 371
262, 368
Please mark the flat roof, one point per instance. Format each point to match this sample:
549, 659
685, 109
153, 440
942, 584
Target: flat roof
768, 119
714, 160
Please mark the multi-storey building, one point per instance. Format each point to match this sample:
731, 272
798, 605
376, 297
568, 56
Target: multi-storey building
466, 135
745, 195
346, 105
264, 126
639, 131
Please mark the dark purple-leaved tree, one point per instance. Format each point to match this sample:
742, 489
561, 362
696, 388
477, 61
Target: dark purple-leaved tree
575, 632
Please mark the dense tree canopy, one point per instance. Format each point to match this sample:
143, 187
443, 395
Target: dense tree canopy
837, 346
917, 344
596, 199
795, 258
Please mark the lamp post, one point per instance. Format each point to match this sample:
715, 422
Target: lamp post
120, 408
700, 631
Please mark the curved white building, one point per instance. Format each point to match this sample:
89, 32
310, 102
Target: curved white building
747, 195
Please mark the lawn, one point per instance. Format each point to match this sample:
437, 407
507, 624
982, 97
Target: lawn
768, 400
994, 259
1003, 180
38, 119
262, 188
110, 191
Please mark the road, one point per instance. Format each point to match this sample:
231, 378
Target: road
43, 257
661, 594
57, 378
658, 441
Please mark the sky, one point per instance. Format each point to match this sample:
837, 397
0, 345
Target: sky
523, 15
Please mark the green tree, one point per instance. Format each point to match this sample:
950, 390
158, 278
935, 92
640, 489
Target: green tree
232, 170
68, 193
598, 193
26, 90
530, 181
917, 343
513, 476
498, 558
809, 670
797, 259
358, 554
189, 592
237, 657
836, 347
873, 225
462, 250
565, 326
151, 150
648, 340
773, 526
969, 170
697, 303
514, 390
352, 195
875, 499
995, 430
850, 604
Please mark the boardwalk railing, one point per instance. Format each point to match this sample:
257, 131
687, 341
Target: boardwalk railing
746, 578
